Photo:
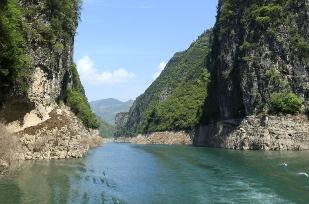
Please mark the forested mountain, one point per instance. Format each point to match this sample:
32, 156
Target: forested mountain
254, 62
175, 98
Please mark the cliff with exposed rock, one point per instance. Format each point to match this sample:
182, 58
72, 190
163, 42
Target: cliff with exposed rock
257, 85
41, 98
259, 68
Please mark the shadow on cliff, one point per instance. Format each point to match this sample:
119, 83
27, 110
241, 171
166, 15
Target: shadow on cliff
15, 109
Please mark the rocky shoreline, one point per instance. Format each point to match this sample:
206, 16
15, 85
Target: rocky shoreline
61, 136
167, 137
257, 132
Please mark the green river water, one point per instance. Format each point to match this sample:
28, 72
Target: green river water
126, 173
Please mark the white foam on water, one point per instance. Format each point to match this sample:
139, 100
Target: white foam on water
303, 174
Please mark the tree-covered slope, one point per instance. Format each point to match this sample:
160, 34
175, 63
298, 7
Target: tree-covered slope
14, 61
174, 99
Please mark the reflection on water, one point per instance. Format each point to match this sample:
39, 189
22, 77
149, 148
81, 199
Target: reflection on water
63, 181
124, 173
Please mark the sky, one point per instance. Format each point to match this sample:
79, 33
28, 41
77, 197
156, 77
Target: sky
121, 46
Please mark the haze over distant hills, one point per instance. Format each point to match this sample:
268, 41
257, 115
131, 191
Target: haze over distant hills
108, 108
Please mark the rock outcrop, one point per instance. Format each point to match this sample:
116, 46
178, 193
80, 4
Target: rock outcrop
61, 136
49, 49
34, 97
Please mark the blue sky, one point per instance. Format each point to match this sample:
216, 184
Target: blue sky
122, 45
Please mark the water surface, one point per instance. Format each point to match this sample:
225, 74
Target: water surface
125, 173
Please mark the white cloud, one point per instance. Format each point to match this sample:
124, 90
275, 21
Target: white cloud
161, 67
89, 74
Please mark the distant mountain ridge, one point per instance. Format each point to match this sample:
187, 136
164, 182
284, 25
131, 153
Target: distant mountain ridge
108, 108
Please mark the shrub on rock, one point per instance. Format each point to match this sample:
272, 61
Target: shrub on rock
287, 103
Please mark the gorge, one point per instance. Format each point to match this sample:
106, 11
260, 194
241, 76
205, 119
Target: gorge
242, 85
230, 87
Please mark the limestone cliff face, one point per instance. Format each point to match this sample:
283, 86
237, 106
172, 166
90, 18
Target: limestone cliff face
253, 58
259, 48
50, 60
34, 104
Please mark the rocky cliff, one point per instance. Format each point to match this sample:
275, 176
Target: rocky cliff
258, 92
49, 59
259, 57
39, 79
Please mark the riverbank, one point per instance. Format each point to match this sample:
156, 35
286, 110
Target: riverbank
59, 135
257, 132
167, 137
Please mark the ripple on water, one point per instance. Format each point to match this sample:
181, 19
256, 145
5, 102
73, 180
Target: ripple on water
124, 173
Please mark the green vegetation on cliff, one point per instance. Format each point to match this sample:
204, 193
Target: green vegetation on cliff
78, 102
21, 27
175, 98
40, 34
13, 58
181, 110
259, 48
63, 17
64, 21
256, 60
285, 103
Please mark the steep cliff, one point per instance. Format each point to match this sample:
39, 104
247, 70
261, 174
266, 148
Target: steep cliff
36, 63
258, 61
37, 73
258, 65
174, 99
259, 48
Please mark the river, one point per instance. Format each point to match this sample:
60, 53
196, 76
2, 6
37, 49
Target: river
127, 173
